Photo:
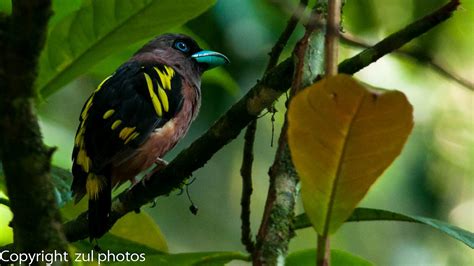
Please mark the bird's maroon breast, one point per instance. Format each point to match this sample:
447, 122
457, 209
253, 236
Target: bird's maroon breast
161, 139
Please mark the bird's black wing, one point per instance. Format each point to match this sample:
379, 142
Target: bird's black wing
120, 116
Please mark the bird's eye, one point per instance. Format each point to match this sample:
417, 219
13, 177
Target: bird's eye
183, 47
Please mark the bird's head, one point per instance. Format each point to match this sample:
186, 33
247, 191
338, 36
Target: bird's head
181, 52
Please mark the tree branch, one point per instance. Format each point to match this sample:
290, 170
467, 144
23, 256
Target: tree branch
276, 227
26, 160
417, 56
398, 39
229, 125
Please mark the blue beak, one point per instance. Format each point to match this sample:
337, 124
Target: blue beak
210, 59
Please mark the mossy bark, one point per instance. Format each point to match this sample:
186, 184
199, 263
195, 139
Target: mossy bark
26, 160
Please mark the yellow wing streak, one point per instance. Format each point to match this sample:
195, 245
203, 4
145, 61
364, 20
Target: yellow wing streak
163, 98
116, 124
132, 137
170, 71
86, 108
83, 160
154, 98
165, 77
102, 83
108, 114
126, 132
79, 136
94, 185
89, 102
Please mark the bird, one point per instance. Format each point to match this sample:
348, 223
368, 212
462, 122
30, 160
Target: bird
134, 117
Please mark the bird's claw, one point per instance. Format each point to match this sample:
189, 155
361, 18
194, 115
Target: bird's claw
134, 181
160, 164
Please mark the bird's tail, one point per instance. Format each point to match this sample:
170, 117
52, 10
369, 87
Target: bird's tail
99, 189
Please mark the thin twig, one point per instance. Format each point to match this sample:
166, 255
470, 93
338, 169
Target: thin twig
273, 110
300, 50
285, 35
419, 57
227, 127
275, 229
246, 173
247, 161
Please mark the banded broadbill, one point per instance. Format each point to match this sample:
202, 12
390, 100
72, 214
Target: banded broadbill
134, 117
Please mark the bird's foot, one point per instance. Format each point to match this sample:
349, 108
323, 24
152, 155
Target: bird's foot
160, 164
134, 181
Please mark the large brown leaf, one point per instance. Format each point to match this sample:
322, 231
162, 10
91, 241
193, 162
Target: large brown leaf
342, 136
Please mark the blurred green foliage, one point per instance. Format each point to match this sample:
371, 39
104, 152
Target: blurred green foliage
338, 258
432, 178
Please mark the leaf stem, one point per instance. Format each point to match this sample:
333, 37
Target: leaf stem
285, 35
330, 66
323, 251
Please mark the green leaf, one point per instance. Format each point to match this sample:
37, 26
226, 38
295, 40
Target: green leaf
113, 248
115, 244
367, 214
85, 37
63, 8
338, 258
198, 258
342, 136
138, 228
